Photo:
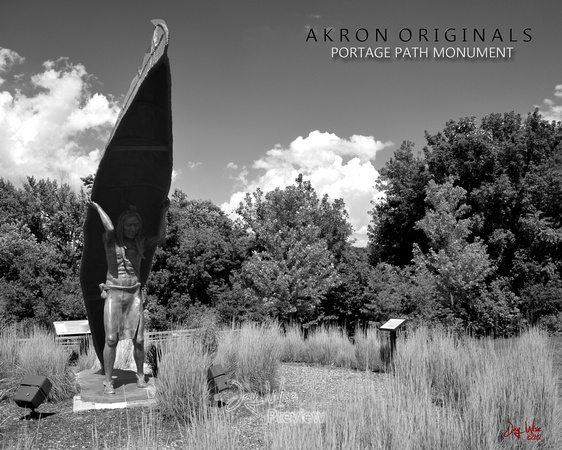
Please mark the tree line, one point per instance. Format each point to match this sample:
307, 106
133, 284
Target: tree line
467, 235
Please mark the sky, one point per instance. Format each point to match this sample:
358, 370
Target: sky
261, 94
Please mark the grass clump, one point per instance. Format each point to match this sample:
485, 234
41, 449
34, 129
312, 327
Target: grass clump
181, 385
208, 335
329, 345
368, 347
251, 356
8, 358
41, 355
294, 345
87, 359
34, 353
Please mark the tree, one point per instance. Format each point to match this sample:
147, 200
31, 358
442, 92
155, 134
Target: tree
459, 271
40, 251
193, 268
297, 241
511, 169
392, 232
291, 281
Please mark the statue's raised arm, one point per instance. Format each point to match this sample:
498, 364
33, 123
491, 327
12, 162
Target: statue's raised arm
105, 220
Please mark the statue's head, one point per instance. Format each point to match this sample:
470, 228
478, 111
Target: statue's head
129, 224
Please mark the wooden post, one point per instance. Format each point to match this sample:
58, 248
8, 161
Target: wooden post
393, 325
392, 342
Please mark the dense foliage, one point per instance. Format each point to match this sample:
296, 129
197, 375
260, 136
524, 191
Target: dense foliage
191, 272
40, 251
478, 218
468, 234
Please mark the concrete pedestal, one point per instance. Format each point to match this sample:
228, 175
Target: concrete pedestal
127, 395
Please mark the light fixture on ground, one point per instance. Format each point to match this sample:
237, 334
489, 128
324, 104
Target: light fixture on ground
216, 382
33, 391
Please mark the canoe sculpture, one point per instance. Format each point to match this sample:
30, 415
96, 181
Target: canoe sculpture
135, 169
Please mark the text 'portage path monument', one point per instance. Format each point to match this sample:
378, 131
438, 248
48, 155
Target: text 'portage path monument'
134, 176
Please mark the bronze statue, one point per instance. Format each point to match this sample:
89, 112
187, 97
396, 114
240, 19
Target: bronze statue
123, 316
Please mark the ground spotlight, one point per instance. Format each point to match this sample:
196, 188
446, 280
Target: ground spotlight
216, 382
32, 392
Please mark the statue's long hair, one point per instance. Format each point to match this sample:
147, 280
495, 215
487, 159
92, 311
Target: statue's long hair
131, 212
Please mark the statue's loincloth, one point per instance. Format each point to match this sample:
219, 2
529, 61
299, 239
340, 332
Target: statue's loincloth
123, 309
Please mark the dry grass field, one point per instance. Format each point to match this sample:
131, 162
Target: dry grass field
323, 392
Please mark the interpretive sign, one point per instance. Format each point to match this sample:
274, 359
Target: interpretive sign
392, 325
71, 327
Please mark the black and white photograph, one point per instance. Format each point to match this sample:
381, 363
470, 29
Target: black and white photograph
280, 224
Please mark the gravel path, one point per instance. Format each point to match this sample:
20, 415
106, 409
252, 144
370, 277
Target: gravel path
304, 388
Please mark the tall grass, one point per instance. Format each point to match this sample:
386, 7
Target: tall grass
181, 386
368, 348
444, 392
87, 359
486, 386
214, 432
252, 356
34, 353
329, 345
294, 347
41, 355
9, 337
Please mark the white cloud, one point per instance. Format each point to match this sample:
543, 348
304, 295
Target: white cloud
550, 110
8, 58
341, 168
193, 165
56, 129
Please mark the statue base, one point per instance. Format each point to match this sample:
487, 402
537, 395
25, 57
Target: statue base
127, 395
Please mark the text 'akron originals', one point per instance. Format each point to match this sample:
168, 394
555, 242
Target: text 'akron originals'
465, 43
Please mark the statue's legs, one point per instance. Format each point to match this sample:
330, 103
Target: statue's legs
120, 324
138, 352
111, 323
